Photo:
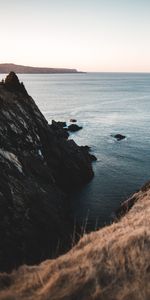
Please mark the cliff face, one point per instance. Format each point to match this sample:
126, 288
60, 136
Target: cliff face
38, 167
112, 264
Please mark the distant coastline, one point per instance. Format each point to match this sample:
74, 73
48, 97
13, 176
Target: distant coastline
20, 69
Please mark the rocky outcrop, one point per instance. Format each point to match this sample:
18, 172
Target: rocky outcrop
86, 150
12, 84
119, 136
111, 263
58, 128
38, 168
74, 127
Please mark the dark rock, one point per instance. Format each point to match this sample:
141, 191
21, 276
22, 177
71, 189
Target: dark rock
74, 127
58, 124
75, 166
119, 137
59, 129
93, 157
12, 83
73, 120
38, 168
86, 150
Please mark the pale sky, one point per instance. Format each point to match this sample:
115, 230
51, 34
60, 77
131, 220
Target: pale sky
90, 35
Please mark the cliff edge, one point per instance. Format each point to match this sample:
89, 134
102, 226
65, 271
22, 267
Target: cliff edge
110, 264
39, 166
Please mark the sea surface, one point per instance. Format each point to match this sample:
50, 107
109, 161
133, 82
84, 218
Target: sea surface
104, 104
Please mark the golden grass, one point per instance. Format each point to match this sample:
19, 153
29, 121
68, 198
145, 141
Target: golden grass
112, 263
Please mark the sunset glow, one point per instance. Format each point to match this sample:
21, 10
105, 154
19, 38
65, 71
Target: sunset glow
97, 35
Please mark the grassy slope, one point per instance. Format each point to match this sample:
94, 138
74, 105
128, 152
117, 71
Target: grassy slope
112, 263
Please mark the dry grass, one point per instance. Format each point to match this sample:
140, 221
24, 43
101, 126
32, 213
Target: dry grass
112, 263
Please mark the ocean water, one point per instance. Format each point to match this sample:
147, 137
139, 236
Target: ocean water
104, 104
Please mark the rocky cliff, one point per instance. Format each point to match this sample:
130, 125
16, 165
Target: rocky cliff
110, 264
39, 166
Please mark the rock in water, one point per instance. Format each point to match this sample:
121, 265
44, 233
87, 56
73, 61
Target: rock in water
73, 120
74, 127
38, 167
119, 137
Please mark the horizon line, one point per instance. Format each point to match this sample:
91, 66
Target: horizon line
71, 68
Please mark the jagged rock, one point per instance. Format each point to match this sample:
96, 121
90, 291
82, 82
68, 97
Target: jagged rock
58, 124
38, 168
74, 127
119, 137
86, 150
12, 83
59, 129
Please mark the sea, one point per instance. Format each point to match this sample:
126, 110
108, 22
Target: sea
105, 104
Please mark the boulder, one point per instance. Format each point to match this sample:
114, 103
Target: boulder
74, 127
119, 137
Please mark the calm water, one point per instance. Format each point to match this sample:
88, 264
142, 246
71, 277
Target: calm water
103, 104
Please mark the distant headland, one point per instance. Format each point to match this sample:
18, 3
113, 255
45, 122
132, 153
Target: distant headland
8, 67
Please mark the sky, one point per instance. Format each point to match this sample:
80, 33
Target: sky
89, 35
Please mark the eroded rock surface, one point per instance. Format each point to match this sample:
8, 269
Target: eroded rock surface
38, 166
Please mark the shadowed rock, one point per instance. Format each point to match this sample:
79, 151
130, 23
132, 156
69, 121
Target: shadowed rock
38, 168
74, 127
86, 150
13, 84
119, 137
93, 157
59, 129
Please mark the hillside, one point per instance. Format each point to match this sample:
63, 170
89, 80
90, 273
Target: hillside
6, 68
110, 264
